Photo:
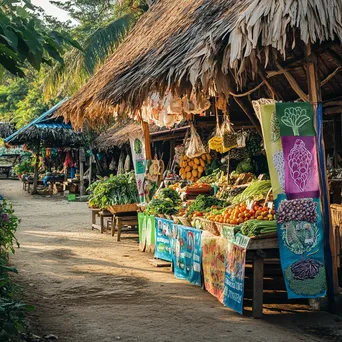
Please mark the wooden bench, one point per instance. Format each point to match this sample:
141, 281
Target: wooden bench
120, 221
102, 214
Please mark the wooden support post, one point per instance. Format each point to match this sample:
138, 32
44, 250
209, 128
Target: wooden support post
249, 115
81, 162
36, 169
258, 286
315, 98
90, 169
147, 140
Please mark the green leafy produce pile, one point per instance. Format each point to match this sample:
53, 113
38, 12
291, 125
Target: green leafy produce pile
167, 202
114, 190
256, 190
245, 166
256, 227
24, 167
205, 203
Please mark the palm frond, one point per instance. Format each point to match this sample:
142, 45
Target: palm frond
80, 66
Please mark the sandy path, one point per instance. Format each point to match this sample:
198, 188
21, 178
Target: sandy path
87, 287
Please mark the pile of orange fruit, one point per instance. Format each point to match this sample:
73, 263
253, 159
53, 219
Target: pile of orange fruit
240, 214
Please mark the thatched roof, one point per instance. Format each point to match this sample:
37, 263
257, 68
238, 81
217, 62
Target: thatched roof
50, 132
120, 133
214, 46
6, 129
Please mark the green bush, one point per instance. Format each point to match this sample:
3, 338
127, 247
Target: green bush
12, 312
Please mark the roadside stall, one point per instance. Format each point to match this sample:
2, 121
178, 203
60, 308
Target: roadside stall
227, 59
54, 144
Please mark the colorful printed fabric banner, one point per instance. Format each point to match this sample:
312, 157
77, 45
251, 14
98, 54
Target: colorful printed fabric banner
234, 280
295, 119
289, 138
147, 233
187, 254
164, 240
214, 250
273, 147
301, 168
300, 237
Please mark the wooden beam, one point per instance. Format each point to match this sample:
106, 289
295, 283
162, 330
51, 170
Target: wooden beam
333, 110
146, 130
330, 76
332, 103
275, 94
249, 115
315, 97
293, 83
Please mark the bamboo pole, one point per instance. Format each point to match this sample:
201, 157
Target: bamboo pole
36, 166
315, 98
147, 140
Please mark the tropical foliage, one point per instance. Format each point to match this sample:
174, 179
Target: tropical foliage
25, 40
101, 26
12, 312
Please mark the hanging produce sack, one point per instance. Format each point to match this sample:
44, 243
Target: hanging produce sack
241, 139
195, 147
228, 135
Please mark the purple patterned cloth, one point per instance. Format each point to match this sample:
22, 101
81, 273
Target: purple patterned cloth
301, 168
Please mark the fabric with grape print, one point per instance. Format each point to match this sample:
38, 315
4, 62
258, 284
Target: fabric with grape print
301, 168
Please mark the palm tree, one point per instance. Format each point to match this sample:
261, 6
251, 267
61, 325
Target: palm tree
78, 65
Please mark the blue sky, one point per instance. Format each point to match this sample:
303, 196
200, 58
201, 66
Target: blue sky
51, 9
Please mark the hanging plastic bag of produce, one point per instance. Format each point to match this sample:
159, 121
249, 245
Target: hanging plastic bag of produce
241, 139
253, 143
121, 164
216, 142
228, 135
127, 165
195, 147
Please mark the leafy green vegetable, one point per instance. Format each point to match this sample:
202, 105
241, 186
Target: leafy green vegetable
166, 201
256, 190
256, 227
115, 190
204, 203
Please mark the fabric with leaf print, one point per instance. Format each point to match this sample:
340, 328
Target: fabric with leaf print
295, 119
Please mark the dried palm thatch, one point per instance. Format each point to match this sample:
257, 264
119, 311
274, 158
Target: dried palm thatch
6, 129
201, 44
119, 134
48, 131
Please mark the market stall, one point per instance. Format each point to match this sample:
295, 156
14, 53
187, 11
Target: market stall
50, 139
225, 57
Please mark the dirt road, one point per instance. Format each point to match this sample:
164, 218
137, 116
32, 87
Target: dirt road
87, 287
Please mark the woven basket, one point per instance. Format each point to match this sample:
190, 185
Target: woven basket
182, 220
123, 208
210, 226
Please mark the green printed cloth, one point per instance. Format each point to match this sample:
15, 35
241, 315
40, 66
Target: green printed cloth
295, 119
273, 147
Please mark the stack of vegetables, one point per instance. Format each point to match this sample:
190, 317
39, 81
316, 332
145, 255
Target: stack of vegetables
256, 227
114, 190
166, 202
256, 191
193, 168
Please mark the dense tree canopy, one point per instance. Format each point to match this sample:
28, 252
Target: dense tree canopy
49, 68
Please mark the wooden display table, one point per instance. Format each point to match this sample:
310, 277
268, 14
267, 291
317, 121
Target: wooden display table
257, 252
102, 214
124, 219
